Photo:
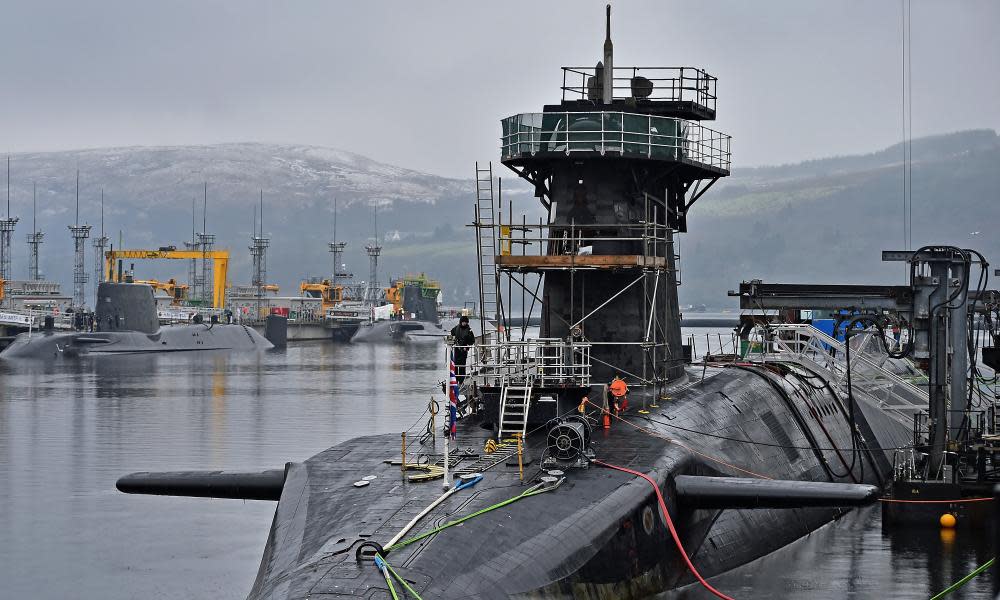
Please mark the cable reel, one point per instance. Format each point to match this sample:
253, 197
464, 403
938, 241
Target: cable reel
568, 439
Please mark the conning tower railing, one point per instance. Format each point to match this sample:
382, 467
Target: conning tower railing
547, 362
663, 84
629, 135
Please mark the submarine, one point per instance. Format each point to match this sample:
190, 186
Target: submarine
414, 302
126, 322
595, 460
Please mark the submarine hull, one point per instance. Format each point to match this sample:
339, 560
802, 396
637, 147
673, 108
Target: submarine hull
394, 332
600, 533
172, 338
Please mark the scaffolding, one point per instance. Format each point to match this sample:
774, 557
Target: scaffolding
524, 251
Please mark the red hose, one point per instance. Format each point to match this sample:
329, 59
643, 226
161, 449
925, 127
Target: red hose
670, 526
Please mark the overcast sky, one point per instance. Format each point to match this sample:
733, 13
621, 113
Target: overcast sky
424, 84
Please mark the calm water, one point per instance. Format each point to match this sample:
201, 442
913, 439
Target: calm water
68, 431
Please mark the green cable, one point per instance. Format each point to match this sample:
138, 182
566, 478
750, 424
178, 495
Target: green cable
388, 582
529, 492
964, 580
406, 585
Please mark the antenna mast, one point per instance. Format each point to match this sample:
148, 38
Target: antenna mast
99, 244
34, 238
205, 242
373, 249
80, 234
609, 68
7, 225
258, 253
336, 248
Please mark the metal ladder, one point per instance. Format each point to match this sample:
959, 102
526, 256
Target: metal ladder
488, 461
486, 246
514, 401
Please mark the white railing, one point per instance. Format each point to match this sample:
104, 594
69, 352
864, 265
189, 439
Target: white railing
804, 343
545, 361
670, 84
625, 134
33, 318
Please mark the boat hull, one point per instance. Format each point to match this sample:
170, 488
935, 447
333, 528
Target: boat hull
600, 534
172, 338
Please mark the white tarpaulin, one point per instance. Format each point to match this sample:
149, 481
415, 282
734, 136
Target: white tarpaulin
14, 319
173, 315
380, 313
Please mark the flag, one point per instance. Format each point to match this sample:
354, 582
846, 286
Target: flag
452, 398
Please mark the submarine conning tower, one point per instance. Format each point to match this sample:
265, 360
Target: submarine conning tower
617, 164
125, 307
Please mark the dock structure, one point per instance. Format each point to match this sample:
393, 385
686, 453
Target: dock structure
80, 234
955, 432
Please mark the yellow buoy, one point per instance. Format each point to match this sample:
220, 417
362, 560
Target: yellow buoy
947, 520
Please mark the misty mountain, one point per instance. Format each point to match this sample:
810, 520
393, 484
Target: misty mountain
821, 220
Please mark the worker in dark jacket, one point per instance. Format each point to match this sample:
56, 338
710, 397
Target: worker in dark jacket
464, 340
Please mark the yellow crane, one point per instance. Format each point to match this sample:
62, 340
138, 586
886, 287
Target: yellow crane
177, 291
219, 258
330, 294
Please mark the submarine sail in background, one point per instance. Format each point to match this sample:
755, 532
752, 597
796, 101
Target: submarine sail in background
126, 322
591, 461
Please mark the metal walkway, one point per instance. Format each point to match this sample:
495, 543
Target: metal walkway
805, 344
